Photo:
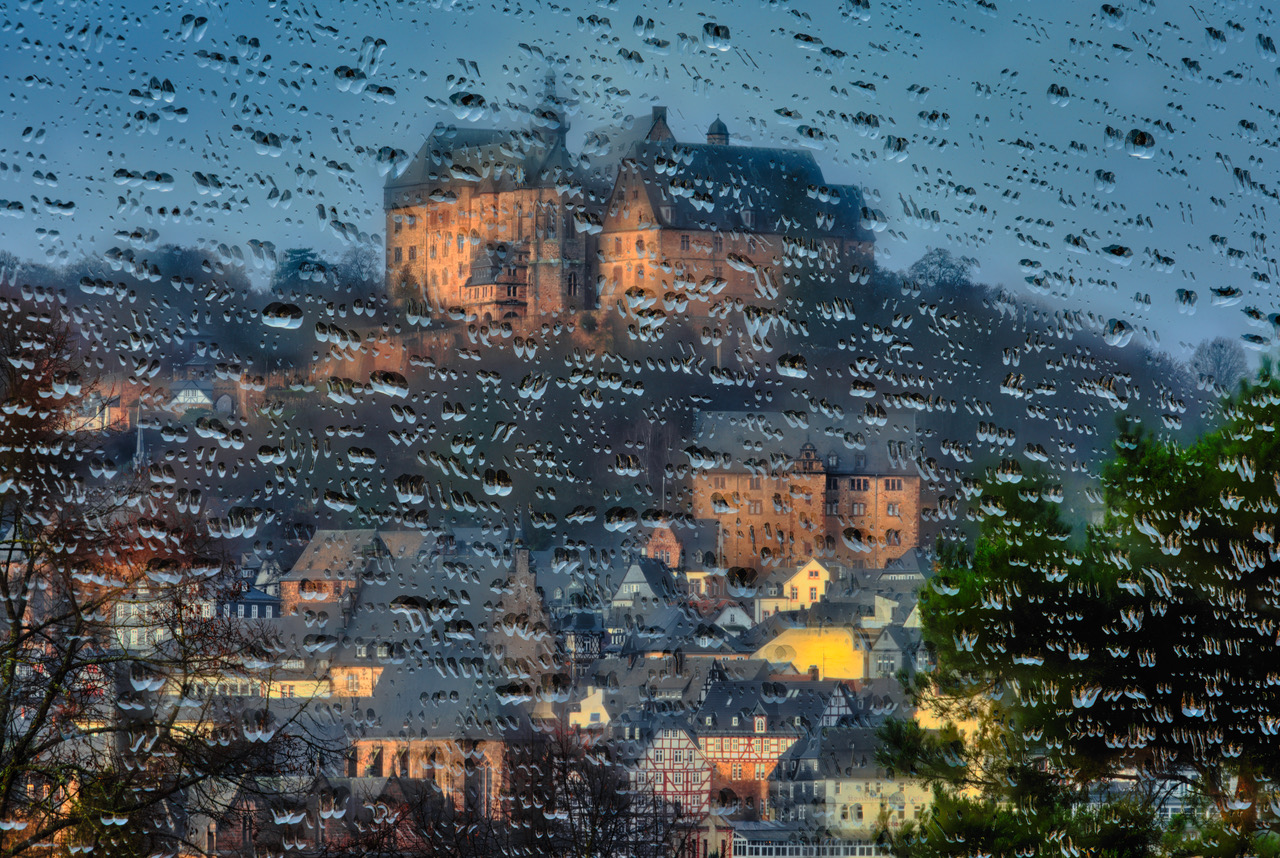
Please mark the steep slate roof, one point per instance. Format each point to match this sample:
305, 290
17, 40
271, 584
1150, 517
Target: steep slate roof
896, 637
842, 752
634, 686
905, 573
486, 160
332, 553
704, 186
697, 542
263, 573
875, 699
653, 576
773, 442
770, 627
780, 703
589, 570
433, 612
674, 629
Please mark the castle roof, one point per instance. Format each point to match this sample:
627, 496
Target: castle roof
486, 160
708, 186
773, 442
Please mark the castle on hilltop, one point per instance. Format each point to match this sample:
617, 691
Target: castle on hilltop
508, 225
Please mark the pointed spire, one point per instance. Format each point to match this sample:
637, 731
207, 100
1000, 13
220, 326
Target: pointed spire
548, 116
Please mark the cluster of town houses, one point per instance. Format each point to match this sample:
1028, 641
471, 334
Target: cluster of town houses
747, 692
740, 659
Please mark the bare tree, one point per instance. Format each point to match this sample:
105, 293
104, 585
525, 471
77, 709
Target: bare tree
1220, 361
112, 728
571, 796
563, 794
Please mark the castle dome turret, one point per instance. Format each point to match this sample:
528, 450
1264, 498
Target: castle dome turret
718, 133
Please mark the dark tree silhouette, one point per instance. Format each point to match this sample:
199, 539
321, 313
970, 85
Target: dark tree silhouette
110, 652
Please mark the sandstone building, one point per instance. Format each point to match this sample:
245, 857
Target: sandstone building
508, 225
478, 221
793, 494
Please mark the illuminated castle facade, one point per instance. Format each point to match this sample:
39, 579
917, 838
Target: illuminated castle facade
508, 225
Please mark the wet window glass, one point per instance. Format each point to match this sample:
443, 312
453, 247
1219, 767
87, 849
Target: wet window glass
639, 429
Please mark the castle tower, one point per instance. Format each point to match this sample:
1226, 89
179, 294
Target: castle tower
718, 133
